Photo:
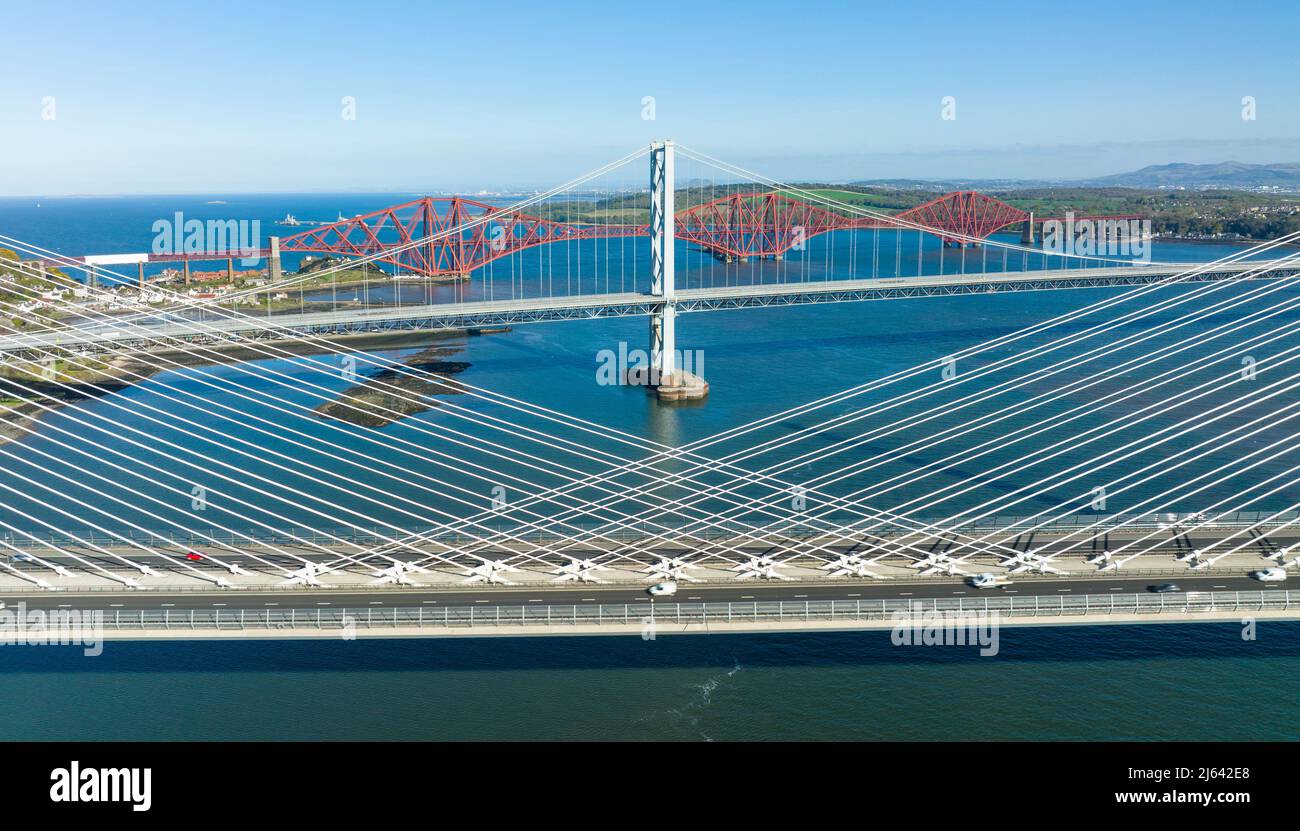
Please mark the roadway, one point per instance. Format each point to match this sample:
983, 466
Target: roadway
541, 309
1061, 543
591, 594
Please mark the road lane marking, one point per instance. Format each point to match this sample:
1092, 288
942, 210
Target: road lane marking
855, 595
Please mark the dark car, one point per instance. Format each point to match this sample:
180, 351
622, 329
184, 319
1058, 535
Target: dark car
1164, 588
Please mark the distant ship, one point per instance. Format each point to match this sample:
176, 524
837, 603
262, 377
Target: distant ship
290, 219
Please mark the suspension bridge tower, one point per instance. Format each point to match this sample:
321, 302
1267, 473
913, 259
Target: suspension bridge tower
671, 377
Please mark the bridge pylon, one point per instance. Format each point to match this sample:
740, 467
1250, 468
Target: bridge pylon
1027, 234
669, 380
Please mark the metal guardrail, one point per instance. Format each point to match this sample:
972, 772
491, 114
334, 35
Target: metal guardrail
848, 611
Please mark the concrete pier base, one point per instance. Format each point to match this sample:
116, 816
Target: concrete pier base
682, 386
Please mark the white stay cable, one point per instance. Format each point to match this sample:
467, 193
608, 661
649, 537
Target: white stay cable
1000, 442
1194, 269
209, 411
975, 398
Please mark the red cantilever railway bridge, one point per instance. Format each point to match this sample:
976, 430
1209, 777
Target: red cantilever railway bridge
739, 226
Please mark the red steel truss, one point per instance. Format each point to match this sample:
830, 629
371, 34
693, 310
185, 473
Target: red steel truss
471, 234
757, 224
769, 224
967, 213
390, 232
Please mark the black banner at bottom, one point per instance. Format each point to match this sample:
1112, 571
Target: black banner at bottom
350, 782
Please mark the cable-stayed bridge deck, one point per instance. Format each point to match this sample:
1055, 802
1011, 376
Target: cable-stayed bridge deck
135, 333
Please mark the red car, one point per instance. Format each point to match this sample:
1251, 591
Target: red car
193, 556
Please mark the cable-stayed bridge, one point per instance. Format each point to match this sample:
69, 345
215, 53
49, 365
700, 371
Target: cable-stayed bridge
1147, 433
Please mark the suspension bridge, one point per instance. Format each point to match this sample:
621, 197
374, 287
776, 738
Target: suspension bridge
1143, 436
485, 313
452, 237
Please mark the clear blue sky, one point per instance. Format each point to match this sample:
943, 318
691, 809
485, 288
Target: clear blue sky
235, 96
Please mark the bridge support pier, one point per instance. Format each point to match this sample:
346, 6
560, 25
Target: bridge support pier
1027, 235
273, 270
186, 264
667, 377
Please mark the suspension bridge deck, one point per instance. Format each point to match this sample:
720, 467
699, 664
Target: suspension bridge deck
135, 334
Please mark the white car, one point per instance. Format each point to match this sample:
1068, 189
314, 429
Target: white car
663, 589
1269, 575
988, 580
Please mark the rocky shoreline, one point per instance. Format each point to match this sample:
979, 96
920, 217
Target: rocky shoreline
26, 399
386, 396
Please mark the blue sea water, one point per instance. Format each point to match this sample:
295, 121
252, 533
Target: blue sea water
1109, 682
1162, 682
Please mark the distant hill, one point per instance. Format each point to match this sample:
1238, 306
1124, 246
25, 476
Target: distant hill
1226, 175
945, 185
1221, 175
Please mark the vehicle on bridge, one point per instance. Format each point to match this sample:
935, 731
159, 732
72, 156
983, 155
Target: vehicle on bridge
663, 589
988, 580
1164, 588
1269, 575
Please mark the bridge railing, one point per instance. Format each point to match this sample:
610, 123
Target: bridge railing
699, 614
